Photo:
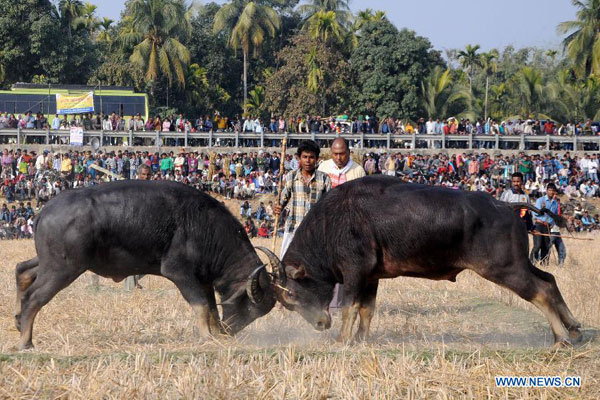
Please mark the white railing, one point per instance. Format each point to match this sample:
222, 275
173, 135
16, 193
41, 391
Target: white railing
242, 139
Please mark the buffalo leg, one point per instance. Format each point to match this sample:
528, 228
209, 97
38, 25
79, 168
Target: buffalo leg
350, 308
522, 280
199, 297
25, 276
366, 310
565, 314
43, 289
349, 314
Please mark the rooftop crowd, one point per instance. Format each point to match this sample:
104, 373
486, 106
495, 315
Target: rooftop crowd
29, 180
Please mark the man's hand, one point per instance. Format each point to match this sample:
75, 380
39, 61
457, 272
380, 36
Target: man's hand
277, 209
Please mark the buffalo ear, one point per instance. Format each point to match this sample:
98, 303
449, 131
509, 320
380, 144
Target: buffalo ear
295, 273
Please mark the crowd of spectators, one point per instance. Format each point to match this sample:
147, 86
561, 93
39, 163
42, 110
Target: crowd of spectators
299, 124
27, 177
343, 124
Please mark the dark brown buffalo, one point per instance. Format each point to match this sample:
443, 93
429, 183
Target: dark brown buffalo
146, 227
378, 227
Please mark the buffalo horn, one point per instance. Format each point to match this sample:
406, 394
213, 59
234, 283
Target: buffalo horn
276, 265
253, 289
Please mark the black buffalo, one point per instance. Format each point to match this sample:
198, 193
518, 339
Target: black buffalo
143, 227
378, 227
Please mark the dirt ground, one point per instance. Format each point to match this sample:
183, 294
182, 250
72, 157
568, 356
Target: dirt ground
436, 340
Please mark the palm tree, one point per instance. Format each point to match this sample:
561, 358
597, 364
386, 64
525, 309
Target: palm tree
87, 18
583, 43
160, 26
528, 90
324, 25
490, 66
315, 74
361, 19
256, 102
104, 36
500, 100
200, 91
247, 22
470, 60
340, 7
440, 93
574, 100
70, 10
364, 16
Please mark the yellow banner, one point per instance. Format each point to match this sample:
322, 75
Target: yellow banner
75, 104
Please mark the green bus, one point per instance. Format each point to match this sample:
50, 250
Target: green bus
25, 97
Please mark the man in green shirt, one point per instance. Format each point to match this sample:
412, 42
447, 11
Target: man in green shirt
526, 167
166, 164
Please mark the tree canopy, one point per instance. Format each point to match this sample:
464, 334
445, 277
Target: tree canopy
296, 58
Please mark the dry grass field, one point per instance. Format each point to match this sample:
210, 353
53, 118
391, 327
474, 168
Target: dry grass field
437, 340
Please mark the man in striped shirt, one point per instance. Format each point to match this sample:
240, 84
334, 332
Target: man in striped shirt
303, 188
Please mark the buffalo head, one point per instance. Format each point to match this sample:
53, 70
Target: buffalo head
251, 301
298, 291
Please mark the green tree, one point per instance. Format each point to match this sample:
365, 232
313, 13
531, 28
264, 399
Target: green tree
368, 15
23, 43
529, 92
210, 50
470, 60
574, 99
489, 65
315, 74
247, 24
255, 105
440, 94
388, 67
341, 8
160, 28
70, 10
104, 35
582, 43
87, 18
285, 93
500, 102
200, 93
323, 25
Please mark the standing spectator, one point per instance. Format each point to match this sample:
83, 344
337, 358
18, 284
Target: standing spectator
303, 187
543, 224
166, 164
340, 169
7, 164
370, 165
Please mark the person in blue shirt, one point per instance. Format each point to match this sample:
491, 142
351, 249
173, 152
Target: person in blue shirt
543, 224
5, 214
587, 221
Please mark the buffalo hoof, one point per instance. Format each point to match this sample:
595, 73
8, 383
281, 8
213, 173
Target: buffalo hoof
25, 347
562, 344
342, 340
360, 337
18, 322
575, 336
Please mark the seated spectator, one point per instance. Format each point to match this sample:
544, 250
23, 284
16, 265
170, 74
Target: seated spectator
263, 231
250, 228
588, 221
261, 212
249, 189
245, 210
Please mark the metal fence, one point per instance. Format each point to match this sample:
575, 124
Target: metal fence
362, 140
